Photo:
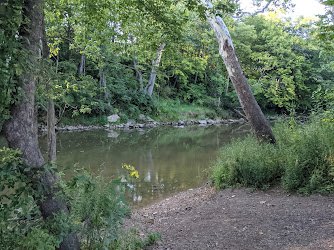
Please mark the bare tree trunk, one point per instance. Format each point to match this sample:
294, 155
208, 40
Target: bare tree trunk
21, 129
103, 84
246, 98
82, 64
155, 64
216, 90
227, 85
57, 63
51, 136
138, 73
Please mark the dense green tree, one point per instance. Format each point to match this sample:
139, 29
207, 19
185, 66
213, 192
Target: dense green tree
280, 60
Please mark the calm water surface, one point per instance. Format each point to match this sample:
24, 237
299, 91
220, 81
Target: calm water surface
169, 160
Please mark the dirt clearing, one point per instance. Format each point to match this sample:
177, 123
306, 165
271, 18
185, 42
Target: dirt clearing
239, 219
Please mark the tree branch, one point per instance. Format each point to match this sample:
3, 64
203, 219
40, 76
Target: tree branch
256, 12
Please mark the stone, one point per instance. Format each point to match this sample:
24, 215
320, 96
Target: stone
202, 122
129, 122
180, 122
113, 118
142, 117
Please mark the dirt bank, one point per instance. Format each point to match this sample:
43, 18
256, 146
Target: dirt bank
239, 219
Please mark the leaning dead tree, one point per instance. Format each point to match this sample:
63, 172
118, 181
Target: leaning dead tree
248, 103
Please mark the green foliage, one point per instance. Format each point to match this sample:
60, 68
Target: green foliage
13, 58
130, 240
307, 156
325, 27
282, 58
131, 102
97, 208
152, 238
21, 225
39, 239
247, 163
323, 102
175, 110
302, 160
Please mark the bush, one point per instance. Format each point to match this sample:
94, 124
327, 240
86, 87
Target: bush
307, 156
97, 209
247, 163
21, 225
302, 159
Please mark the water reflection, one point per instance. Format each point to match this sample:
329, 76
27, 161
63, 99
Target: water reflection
168, 159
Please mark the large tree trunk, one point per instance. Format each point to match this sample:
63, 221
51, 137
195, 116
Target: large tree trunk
21, 129
149, 87
51, 116
246, 98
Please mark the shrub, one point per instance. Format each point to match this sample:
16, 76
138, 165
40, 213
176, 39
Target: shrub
306, 154
97, 208
21, 225
247, 163
303, 159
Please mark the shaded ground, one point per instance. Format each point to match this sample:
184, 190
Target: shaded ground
239, 219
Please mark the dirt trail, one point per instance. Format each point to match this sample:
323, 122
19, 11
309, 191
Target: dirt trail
239, 219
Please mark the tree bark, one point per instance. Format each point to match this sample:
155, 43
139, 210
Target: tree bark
103, 84
82, 64
149, 87
138, 73
21, 129
227, 85
51, 116
246, 98
51, 136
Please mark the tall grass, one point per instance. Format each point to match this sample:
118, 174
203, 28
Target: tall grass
301, 161
171, 110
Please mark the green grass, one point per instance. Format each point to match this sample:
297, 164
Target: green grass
166, 110
301, 161
171, 110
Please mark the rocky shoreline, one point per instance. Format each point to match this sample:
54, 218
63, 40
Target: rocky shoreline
149, 124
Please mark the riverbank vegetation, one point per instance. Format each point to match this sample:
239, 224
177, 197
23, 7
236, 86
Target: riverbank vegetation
302, 160
98, 208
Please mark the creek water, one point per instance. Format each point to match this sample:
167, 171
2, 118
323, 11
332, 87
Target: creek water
169, 160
